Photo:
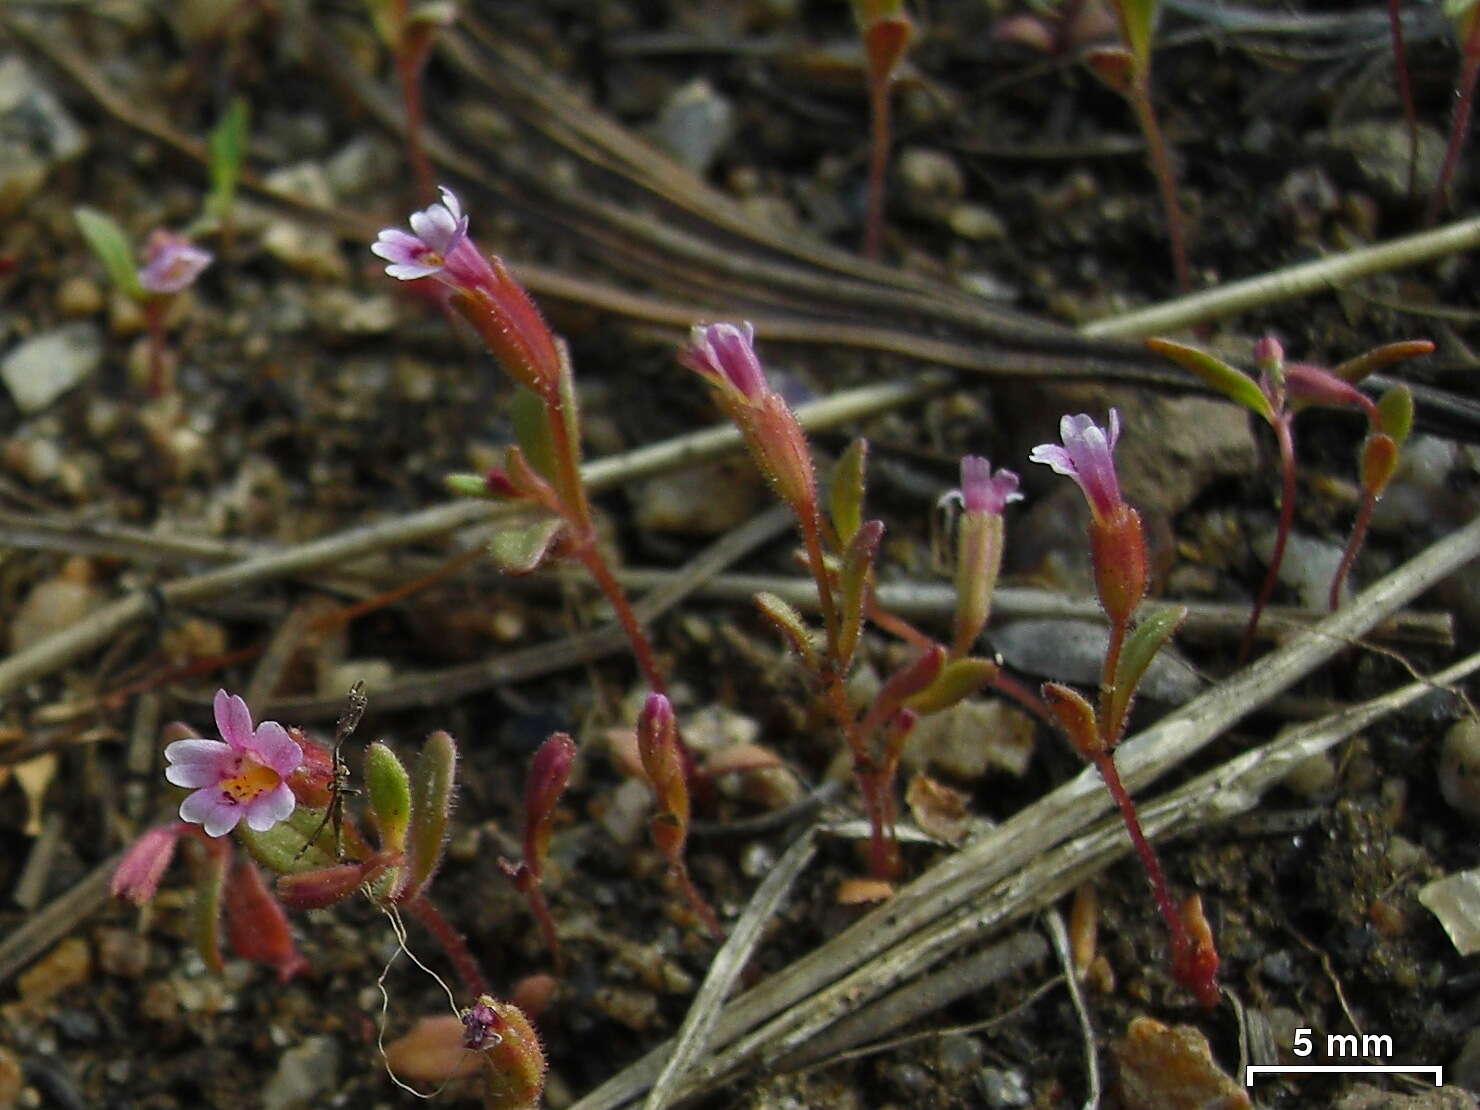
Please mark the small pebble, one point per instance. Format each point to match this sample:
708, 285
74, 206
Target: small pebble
1003, 1088
44, 367
1459, 767
1172, 1068
12, 1079
79, 296
630, 1006
122, 952
54, 604
65, 968
957, 1055
304, 1074
695, 125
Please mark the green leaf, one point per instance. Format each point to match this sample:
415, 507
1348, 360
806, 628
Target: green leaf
226, 149
467, 485
958, 679
1216, 374
791, 625
845, 491
205, 924
1395, 413
432, 785
1140, 647
854, 581
389, 790
1136, 20
112, 247
520, 549
532, 432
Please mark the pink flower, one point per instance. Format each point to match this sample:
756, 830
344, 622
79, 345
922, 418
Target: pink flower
437, 246
982, 491
240, 776
1086, 456
171, 262
725, 354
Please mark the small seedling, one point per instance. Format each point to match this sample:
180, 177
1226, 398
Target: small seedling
548, 774
886, 32
1118, 553
1279, 393
171, 265
1127, 70
1466, 17
408, 28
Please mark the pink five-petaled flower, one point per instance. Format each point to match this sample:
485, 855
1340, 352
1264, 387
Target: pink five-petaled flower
171, 262
437, 246
242, 775
1087, 457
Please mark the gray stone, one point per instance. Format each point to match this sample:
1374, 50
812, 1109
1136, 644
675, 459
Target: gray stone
931, 183
305, 1073
1366, 1097
695, 124
1308, 566
1376, 153
1073, 651
36, 134
1002, 1088
47, 365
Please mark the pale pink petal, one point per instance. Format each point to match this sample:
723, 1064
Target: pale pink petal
276, 749
395, 245
196, 763
233, 719
268, 808
210, 810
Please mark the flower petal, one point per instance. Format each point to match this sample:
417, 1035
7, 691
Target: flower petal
395, 245
410, 271
211, 811
275, 748
268, 808
234, 719
200, 767
1051, 454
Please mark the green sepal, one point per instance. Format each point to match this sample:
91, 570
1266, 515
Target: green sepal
520, 549
205, 922
1353, 370
1395, 413
1216, 374
791, 625
1140, 647
226, 149
432, 784
845, 491
532, 432
958, 680
854, 581
278, 848
112, 247
388, 790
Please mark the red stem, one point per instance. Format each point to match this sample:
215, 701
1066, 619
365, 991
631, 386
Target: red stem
1181, 945
1285, 437
541, 911
452, 943
878, 161
1405, 91
1166, 178
696, 900
154, 308
1459, 126
408, 71
1353, 545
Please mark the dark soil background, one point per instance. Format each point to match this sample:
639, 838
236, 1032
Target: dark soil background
314, 395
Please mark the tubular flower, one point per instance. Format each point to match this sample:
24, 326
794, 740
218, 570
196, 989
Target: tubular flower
982, 496
171, 263
724, 356
437, 246
1087, 457
242, 775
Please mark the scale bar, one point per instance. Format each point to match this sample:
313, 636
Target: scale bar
1252, 1070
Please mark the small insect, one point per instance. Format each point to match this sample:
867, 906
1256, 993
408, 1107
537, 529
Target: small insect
349, 720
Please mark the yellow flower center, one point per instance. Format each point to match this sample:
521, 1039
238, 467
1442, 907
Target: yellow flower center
252, 778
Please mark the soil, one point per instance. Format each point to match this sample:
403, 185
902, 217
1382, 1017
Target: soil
313, 395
